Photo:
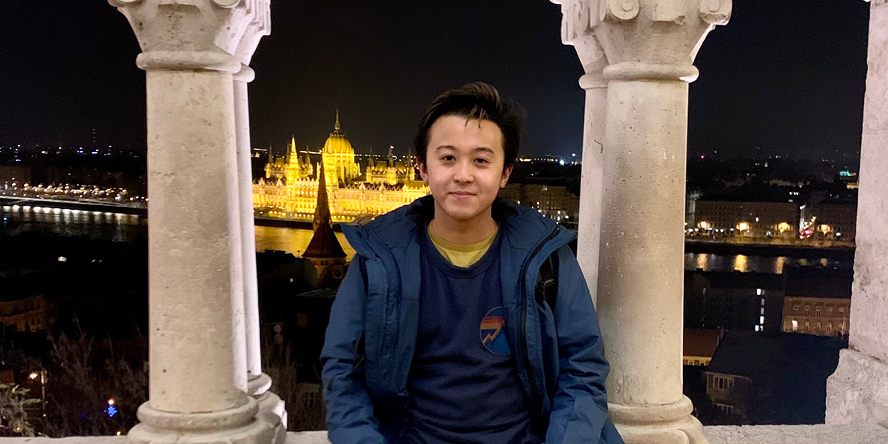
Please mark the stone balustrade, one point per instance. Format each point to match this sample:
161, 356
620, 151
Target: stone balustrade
813, 434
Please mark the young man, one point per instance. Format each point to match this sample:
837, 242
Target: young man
436, 334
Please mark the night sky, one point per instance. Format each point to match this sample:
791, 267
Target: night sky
785, 76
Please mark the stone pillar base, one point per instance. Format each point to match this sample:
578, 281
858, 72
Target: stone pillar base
658, 424
239, 425
857, 393
271, 406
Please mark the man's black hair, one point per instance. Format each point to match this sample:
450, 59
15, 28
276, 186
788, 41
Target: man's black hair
477, 100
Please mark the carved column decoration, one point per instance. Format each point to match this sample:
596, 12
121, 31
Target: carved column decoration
650, 46
197, 346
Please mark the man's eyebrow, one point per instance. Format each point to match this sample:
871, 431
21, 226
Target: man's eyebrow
453, 148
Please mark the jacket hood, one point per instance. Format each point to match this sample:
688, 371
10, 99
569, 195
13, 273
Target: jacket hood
522, 227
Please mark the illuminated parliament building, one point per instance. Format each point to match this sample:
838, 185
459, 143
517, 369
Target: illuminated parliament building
290, 187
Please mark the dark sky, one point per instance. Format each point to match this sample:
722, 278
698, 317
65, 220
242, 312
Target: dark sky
787, 76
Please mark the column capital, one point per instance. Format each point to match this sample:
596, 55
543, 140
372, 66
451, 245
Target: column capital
653, 34
218, 35
576, 31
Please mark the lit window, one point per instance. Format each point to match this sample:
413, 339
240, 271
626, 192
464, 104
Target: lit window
758, 291
762, 320
763, 310
795, 325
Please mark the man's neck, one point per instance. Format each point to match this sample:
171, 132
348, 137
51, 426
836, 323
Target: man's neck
464, 232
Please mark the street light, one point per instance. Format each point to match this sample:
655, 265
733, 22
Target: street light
783, 226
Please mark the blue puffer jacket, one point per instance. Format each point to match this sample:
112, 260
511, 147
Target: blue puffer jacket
371, 337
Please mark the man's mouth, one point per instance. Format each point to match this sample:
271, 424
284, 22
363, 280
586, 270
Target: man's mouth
462, 193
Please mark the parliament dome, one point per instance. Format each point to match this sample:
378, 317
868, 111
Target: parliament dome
337, 143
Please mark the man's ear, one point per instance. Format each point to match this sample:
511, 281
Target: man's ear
423, 172
507, 171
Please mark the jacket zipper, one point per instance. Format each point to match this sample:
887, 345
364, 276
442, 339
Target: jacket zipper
522, 334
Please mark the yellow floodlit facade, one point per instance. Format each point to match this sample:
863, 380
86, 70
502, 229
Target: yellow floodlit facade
290, 186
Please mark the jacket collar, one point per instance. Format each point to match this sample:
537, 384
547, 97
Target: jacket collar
523, 228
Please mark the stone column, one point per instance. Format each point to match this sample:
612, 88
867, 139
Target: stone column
650, 47
258, 383
858, 390
576, 31
197, 347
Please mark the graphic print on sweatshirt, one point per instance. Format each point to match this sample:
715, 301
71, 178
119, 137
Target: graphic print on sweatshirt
493, 328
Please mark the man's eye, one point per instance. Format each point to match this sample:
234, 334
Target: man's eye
448, 158
482, 160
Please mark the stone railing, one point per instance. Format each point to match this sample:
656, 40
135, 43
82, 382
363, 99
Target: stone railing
812, 434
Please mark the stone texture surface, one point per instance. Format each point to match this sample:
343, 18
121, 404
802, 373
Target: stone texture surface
869, 304
194, 229
813, 434
640, 286
858, 391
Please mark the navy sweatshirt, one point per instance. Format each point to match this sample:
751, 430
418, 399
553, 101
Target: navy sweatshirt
463, 384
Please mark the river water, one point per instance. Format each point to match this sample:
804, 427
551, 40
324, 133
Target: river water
133, 228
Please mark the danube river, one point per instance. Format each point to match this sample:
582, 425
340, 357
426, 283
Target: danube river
133, 228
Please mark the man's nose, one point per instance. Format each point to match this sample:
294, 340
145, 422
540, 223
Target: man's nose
463, 172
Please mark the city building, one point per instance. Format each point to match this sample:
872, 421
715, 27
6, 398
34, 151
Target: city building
747, 218
30, 314
734, 301
290, 186
699, 345
552, 201
835, 220
775, 378
324, 250
821, 316
818, 301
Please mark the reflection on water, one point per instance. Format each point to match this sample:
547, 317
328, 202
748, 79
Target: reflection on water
118, 227
740, 263
292, 240
15, 219
757, 264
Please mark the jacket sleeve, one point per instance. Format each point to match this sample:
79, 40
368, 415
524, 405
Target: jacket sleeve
350, 417
579, 412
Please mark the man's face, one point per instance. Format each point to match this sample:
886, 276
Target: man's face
464, 167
